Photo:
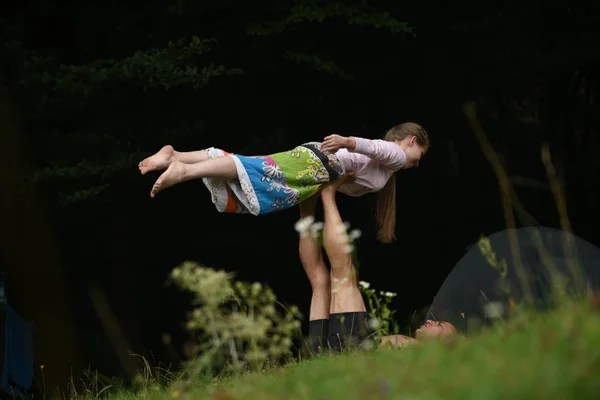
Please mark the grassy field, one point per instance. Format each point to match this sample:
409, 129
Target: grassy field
551, 356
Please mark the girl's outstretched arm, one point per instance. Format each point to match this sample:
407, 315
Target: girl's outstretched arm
387, 153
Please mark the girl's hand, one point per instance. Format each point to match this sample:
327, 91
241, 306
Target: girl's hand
332, 143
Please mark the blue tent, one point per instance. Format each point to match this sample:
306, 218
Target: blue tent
17, 370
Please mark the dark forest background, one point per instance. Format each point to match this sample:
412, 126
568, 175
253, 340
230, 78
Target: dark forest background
88, 89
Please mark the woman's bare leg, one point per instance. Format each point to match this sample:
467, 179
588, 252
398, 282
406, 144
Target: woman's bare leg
314, 266
178, 172
346, 296
318, 275
163, 158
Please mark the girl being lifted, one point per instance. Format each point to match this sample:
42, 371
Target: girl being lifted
264, 184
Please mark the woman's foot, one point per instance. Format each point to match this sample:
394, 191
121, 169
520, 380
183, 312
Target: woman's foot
159, 161
172, 176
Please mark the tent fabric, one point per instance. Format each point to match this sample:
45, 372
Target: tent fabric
17, 373
474, 291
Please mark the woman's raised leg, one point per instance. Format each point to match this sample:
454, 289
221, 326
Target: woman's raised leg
346, 296
348, 317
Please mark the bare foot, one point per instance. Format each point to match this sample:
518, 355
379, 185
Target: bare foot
330, 188
172, 176
159, 161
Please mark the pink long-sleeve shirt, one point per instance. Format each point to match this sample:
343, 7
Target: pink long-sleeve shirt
373, 163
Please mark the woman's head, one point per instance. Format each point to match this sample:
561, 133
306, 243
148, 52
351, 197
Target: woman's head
414, 140
433, 329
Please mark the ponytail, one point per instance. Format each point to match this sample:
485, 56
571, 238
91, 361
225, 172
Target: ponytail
386, 198
386, 212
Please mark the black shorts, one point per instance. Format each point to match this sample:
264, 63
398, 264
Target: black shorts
348, 330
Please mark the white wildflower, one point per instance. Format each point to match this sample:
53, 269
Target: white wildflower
256, 288
389, 294
343, 228
494, 309
364, 285
368, 344
355, 234
374, 323
315, 229
304, 224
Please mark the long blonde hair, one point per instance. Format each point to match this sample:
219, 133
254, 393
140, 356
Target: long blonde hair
386, 198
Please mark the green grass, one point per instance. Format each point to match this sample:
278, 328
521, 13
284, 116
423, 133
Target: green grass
544, 356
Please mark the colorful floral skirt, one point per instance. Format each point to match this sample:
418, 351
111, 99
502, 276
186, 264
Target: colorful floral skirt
275, 182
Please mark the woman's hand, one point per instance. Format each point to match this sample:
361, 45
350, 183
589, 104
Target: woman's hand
332, 143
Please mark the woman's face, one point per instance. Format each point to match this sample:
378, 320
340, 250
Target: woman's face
414, 151
435, 329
